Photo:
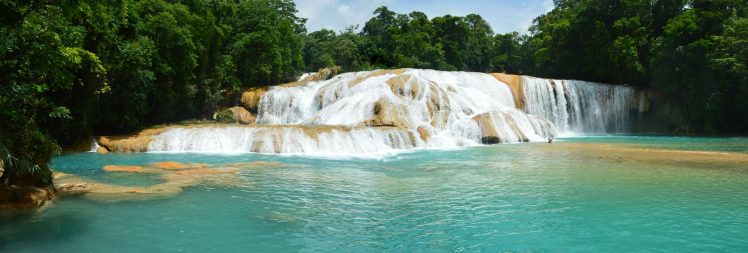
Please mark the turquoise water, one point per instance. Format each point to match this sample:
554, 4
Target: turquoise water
516, 198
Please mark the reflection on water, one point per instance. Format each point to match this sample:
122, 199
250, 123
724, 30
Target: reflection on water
597, 194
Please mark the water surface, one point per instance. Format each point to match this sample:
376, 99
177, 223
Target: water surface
573, 195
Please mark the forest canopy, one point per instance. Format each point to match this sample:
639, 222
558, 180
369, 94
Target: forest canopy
71, 69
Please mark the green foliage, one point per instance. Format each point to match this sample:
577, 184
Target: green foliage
224, 115
72, 68
693, 51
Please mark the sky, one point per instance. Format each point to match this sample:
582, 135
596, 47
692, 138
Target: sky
504, 15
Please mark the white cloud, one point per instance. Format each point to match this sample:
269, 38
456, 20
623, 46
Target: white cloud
344, 10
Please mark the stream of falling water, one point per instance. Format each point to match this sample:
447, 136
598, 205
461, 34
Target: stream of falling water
384, 111
579, 107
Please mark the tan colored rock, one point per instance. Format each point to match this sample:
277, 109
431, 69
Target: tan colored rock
487, 129
424, 134
125, 144
102, 150
170, 165
387, 114
175, 176
322, 74
376, 73
515, 84
242, 116
208, 171
402, 86
123, 168
251, 98
139, 142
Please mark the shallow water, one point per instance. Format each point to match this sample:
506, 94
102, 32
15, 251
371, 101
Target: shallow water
592, 194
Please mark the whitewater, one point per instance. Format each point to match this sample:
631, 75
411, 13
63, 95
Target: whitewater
385, 111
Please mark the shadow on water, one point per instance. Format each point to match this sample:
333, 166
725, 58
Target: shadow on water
39, 227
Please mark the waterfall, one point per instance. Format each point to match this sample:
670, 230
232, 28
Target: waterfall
579, 107
372, 112
94, 145
283, 139
384, 111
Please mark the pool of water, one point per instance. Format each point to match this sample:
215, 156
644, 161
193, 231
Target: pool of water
567, 196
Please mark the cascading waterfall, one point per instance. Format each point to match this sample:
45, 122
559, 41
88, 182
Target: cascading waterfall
579, 107
283, 139
372, 112
383, 111
94, 145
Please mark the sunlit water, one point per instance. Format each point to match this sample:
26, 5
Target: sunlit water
518, 197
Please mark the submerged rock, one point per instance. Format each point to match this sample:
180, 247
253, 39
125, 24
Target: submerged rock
175, 176
123, 168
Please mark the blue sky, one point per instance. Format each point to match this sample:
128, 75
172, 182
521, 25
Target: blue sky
503, 15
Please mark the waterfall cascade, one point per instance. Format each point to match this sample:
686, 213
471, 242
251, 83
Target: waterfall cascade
94, 145
579, 107
387, 110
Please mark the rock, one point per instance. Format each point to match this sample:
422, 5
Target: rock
171, 165
242, 116
123, 168
387, 114
401, 86
321, 75
24, 197
102, 150
128, 144
424, 134
208, 171
488, 132
251, 98
224, 116
73, 189
515, 84
234, 114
